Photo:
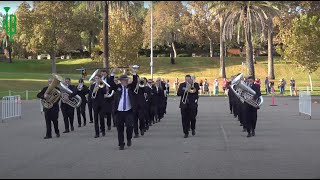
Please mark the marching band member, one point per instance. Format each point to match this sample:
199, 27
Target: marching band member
251, 112
149, 109
90, 103
159, 100
124, 106
83, 90
67, 110
98, 92
109, 101
141, 103
51, 114
189, 92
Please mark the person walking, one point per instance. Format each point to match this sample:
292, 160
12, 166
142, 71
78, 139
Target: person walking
292, 86
216, 87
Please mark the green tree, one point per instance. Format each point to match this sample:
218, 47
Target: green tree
52, 31
302, 43
247, 17
167, 24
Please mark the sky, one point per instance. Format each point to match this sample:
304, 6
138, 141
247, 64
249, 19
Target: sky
12, 4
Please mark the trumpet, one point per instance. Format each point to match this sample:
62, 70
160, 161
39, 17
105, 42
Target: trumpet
101, 85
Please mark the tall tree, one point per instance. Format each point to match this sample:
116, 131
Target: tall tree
246, 17
301, 43
52, 30
166, 24
202, 25
107, 6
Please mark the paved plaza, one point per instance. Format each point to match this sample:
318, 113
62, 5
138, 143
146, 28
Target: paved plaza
286, 145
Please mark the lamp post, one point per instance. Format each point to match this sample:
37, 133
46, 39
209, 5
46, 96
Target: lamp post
151, 55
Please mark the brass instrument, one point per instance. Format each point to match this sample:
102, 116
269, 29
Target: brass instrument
244, 92
74, 101
55, 94
189, 89
102, 84
141, 84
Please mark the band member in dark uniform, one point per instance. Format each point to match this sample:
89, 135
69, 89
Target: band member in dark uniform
124, 106
149, 108
189, 92
231, 98
112, 112
90, 103
251, 112
51, 114
140, 96
67, 110
159, 100
83, 90
98, 92
109, 101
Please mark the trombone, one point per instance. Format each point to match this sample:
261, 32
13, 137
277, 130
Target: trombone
190, 89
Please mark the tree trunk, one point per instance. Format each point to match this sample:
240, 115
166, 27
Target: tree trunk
173, 45
53, 62
270, 52
172, 49
249, 50
311, 87
10, 54
211, 48
105, 37
90, 41
222, 51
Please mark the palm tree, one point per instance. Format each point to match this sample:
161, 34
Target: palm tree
246, 17
108, 6
219, 11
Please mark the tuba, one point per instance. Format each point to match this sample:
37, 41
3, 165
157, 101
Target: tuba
55, 94
244, 92
74, 101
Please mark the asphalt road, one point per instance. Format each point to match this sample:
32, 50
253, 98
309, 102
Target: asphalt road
286, 145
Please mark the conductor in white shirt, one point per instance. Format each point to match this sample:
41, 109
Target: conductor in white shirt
124, 105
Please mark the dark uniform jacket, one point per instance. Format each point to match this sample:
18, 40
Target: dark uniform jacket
118, 92
192, 98
55, 107
83, 93
99, 100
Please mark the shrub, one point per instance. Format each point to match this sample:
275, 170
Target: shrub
184, 55
163, 55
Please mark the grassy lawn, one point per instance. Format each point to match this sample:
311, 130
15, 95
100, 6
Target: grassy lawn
32, 74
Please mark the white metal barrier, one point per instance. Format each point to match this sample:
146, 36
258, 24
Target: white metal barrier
11, 107
305, 103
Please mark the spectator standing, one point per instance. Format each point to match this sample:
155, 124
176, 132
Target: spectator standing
201, 86
292, 86
224, 85
267, 85
216, 87
206, 86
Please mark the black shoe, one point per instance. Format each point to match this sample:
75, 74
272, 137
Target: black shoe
244, 130
58, 135
91, 122
78, 126
84, 124
253, 133
129, 143
142, 132
145, 130
230, 112
109, 128
66, 131
114, 125
72, 128
186, 136
249, 135
241, 124
193, 132
96, 136
47, 137
121, 148
136, 136
103, 134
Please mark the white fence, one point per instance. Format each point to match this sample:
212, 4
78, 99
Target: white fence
305, 103
11, 107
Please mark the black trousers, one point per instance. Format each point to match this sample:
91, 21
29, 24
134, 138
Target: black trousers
236, 108
124, 118
139, 118
99, 114
81, 110
153, 113
251, 120
68, 116
147, 116
242, 114
230, 106
188, 115
90, 110
108, 116
51, 117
